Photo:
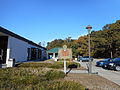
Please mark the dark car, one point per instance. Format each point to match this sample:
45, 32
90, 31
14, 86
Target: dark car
114, 64
85, 58
101, 63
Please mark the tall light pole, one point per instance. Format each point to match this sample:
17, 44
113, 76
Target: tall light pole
90, 61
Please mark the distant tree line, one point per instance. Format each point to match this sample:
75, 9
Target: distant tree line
104, 43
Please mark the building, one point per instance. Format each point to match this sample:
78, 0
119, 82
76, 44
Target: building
53, 53
14, 47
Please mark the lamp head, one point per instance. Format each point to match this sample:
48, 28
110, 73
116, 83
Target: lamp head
89, 27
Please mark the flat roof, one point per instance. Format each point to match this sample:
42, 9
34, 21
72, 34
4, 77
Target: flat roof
3, 30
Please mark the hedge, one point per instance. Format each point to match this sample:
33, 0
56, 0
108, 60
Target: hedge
30, 78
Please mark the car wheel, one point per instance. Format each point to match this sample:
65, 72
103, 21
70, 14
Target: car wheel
104, 66
117, 68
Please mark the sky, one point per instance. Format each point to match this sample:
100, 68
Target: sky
46, 20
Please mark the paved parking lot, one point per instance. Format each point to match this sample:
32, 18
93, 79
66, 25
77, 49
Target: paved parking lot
111, 75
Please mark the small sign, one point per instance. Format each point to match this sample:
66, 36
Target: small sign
65, 54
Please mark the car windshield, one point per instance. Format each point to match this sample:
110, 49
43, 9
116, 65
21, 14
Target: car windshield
116, 59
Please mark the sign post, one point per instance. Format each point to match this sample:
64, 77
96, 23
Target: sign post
64, 48
65, 53
65, 66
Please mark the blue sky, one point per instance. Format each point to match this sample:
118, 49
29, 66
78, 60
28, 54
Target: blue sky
46, 20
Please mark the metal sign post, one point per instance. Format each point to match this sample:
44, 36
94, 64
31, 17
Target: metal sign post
65, 48
65, 53
65, 66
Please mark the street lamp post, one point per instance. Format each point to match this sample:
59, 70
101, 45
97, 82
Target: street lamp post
90, 62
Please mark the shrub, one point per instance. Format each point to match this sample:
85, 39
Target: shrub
65, 85
52, 75
12, 78
35, 64
57, 85
55, 65
60, 65
73, 63
35, 76
63, 59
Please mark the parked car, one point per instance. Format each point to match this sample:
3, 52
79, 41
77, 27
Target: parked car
85, 58
101, 63
114, 64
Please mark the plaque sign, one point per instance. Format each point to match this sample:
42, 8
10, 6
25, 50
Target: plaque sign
65, 53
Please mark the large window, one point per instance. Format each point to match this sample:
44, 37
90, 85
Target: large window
34, 53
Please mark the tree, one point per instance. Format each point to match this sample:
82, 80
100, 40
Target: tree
59, 43
55, 43
103, 42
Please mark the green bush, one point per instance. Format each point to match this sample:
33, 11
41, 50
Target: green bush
35, 64
60, 65
55, 65
63, 60
11, 77
22, 77
56, 85
52, 75
32, 77
71, 63
64, 85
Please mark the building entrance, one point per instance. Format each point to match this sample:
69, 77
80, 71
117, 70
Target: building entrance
3, 49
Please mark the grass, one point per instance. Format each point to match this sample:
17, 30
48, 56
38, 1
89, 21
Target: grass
36, 76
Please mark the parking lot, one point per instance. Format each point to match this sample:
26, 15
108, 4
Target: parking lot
111, 75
